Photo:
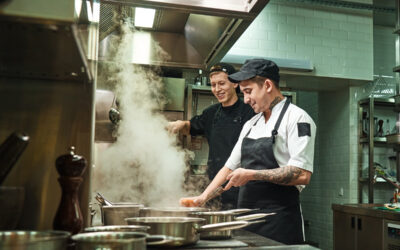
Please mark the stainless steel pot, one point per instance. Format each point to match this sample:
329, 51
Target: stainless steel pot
118, 228
186, 230
115, 214
33, 240
169, 211
110, 240
225, 216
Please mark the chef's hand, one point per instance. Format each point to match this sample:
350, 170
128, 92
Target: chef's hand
239, 177
178, 126
195, 201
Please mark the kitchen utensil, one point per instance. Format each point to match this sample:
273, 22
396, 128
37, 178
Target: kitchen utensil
110, 240
10, 150
103, 201
187, 228
224, 216
124, 240
12, 203
33, 240
169, 211
217, 192
115, 214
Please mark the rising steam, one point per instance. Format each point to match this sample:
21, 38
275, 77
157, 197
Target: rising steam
144, 165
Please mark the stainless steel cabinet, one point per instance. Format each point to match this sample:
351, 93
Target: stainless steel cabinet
351, 231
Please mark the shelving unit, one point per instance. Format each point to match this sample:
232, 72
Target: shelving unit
369, 105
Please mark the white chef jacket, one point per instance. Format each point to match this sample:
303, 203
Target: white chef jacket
291, 148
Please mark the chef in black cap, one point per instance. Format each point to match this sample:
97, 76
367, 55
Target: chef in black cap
220, 123
272, 160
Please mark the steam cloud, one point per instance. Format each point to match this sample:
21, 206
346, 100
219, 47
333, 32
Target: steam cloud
144, 165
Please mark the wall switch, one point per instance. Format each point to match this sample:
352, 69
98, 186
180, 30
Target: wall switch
341, 192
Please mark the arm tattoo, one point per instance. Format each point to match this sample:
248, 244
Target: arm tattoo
274, 102
282, 176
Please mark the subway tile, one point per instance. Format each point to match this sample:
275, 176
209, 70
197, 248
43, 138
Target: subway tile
321, 32
295, 39
288, 28
277, 36
312, 22
330, 24
288, 47
313, 40
304, 12
295, 20
288, 10
339, 34
332, 43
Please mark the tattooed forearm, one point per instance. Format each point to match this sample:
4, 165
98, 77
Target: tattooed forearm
274, 102
283, 176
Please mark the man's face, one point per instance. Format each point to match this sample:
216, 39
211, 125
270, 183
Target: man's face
255, 95
223, 89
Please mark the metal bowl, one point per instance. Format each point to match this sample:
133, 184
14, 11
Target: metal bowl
110, 240
33, 240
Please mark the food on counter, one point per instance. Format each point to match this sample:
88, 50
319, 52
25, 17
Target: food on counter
187, 202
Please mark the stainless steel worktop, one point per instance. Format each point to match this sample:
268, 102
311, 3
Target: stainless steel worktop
368, 210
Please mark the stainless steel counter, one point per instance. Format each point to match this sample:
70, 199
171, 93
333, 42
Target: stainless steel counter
367, 210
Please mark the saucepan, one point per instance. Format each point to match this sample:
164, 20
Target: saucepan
33, 240
115, 214
123, 240
169, 211
188, 229
212, 217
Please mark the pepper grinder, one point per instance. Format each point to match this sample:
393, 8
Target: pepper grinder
69, 216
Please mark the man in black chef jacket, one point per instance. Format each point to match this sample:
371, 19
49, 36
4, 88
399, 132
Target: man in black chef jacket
220, 123
273, 157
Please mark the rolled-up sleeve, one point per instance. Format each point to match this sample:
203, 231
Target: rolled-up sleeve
301, 141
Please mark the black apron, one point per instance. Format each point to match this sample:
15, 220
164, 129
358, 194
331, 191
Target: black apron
226, 127
287, 225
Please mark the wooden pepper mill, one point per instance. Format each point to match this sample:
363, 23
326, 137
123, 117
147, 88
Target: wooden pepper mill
69, 216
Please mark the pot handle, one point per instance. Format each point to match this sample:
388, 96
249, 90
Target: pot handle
223, 226
253, 216
238, 211
157, 240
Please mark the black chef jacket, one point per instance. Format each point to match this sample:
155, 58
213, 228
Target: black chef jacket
221, 126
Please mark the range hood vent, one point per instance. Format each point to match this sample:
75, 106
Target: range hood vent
195, 34
283, 63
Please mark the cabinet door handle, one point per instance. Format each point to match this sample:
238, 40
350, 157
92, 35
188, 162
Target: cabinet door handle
359, 224
353, 222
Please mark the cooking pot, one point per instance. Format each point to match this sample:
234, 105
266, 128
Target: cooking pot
110, 240
33, 240
118, 240
186, 230
169, 211
212, 217
118, 228
115, 214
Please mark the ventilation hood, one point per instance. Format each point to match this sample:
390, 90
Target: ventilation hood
194, 34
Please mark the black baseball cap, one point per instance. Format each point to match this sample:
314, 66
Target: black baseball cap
256, 67
223, 67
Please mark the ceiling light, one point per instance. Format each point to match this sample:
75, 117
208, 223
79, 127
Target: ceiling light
144, 17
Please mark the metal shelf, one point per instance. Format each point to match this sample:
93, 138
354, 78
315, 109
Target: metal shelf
379, 140
396, 69
378, 101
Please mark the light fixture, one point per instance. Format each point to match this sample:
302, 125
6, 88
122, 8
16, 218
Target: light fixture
144, 17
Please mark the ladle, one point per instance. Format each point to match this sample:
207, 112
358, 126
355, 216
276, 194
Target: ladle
103, 201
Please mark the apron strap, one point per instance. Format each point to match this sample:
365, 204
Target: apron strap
278, 122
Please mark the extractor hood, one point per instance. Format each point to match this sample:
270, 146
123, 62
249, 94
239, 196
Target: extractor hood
194, 34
